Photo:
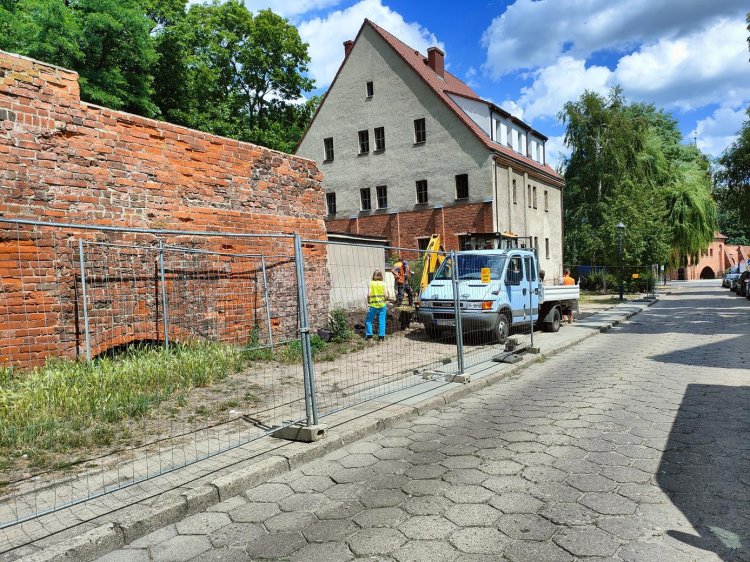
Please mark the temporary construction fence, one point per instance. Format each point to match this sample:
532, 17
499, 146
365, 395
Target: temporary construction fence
126, 354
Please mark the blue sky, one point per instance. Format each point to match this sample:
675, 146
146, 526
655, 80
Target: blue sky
689, 57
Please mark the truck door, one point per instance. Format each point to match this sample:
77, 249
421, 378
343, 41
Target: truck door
514, 284
531, 285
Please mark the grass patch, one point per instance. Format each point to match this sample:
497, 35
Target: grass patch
67, 405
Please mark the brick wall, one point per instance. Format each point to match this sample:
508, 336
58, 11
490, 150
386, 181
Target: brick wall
404, 228
67, 161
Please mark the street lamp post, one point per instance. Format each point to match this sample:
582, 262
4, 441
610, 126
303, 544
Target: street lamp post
620, 229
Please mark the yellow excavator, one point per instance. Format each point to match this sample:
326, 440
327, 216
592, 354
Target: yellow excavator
432, 260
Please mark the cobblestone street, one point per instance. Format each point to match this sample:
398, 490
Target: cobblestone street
634, 445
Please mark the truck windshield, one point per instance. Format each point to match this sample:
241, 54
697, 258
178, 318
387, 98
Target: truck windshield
470, 267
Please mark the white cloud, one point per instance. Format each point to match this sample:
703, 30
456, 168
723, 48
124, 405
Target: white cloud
706, 67
534, 33
327, 35
719, 130
554, 85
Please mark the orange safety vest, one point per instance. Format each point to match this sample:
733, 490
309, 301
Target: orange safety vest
400, 270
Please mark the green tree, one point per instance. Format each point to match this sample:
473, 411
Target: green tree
628, 164
244, 74
108, 42
733, 177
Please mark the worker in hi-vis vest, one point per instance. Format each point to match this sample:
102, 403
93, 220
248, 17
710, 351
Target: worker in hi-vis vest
401, 274
376, 303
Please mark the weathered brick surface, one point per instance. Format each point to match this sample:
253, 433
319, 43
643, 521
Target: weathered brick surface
68, 161
403, 229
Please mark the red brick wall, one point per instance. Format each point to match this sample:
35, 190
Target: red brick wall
404, 228
67, 161
719, 257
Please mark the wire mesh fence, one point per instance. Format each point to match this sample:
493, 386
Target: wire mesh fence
127, 354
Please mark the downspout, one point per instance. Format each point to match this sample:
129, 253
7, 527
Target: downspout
495, 198
442, 213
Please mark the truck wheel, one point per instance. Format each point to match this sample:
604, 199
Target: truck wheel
502, 330
554, 324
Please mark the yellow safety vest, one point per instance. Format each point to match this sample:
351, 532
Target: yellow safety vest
377, 294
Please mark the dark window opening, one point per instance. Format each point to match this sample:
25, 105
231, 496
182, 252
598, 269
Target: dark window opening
546, 201
382, 194
370, 89
515, 193
379, 138
331, 203
364, 142
546, 247
462, 186
364, 199
421, 192
420, 131
328, 146
534, 196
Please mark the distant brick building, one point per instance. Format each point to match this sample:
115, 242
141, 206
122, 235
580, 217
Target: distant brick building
408, 150
719, 257
68, 161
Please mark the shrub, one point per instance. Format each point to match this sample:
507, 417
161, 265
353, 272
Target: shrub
340, 330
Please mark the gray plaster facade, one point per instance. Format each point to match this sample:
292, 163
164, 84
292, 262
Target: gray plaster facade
458, 141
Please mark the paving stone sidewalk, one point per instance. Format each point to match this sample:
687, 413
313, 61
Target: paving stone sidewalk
634, 446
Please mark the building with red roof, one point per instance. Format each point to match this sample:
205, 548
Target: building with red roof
408, 150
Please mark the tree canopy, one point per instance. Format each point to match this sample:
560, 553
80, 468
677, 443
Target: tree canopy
733, 187
216, 67
628, 165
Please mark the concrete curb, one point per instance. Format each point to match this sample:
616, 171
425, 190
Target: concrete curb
139, 521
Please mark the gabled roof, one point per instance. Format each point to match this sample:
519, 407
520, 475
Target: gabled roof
449, 84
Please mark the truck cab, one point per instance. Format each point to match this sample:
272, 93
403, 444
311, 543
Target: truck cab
497, 289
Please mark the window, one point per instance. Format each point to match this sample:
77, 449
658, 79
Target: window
422, 192
328, 146
370, 89
536, 243
331, 203
382, 193
711, 252
514, 273
364, 199
423, 242
364, 142
528, 196
546, 200
379, 138
462, 186
515, 193
530, 269
546, 247
534, 197
420, 132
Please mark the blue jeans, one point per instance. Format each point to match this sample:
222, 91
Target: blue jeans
371, 314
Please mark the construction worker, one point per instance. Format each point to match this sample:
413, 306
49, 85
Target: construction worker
567, 305
402, 273
377, 308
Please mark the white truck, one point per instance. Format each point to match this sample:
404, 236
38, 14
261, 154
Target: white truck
498, 289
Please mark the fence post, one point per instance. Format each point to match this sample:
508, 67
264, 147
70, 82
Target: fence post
268, 304
457, 313
81, 261
164, 316
311, 403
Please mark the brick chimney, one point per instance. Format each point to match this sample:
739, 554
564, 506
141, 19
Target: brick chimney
348, 47
436, 61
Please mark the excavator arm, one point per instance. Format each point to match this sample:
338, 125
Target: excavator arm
432, 260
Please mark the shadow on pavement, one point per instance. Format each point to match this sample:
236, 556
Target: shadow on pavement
705, 469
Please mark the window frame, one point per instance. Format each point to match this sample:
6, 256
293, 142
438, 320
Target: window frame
546, 201
362, 192
422, 184
327, 157
331, 196
546, 247
528, 196
420, 131
381, 190
369, 89
363, 142
379, 142
465, 177
534, 199
515, 192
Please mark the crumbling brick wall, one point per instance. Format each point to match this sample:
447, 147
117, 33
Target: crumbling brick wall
68, 161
